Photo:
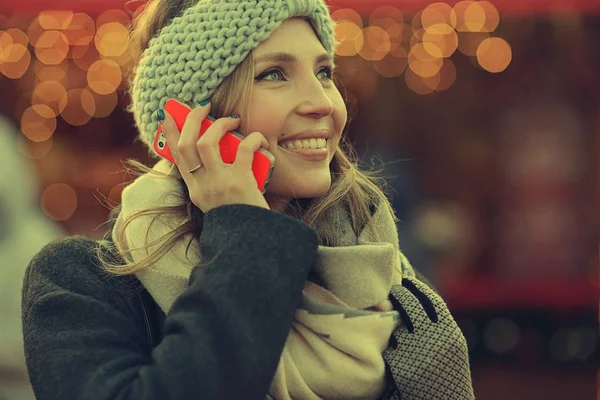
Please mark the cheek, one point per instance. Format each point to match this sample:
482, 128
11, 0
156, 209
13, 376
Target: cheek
261, 119
340, 113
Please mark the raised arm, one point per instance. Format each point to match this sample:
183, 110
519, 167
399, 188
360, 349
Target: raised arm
223, 335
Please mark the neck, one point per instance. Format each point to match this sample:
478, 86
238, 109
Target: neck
277, 203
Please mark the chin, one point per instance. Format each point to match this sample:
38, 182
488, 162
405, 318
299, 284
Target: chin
301, 188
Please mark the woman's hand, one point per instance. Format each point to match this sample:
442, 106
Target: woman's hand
214, 183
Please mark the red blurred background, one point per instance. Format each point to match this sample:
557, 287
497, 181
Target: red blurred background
486, 114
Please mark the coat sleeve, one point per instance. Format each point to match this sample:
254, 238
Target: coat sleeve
223, 336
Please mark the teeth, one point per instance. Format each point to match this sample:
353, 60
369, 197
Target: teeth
305, 144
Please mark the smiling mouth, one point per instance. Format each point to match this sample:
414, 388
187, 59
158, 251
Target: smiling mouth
304, 144
309, 154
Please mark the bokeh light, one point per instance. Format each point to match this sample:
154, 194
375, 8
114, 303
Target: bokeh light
417, 84
501, 335
393, 64
78, 106
55, 19
457, 15
81, 30
474, 17
59, 201
112, 39
447, 75
422, 63
440, 40
386, 12
104, 76
84, 56
350, 39
38, 123
492, 16
18, 36
347, 15
394, 30
376, 45
494, 54
52, 47
436, 13
468, 43
15, 61
34, 31
105, 104
45, 72
113, 16
49, 93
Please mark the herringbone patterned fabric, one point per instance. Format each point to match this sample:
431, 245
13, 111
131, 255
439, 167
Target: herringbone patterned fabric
428, 356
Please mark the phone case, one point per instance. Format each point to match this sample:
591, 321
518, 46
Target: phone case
262, 164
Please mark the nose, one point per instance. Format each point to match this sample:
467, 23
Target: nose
313, 99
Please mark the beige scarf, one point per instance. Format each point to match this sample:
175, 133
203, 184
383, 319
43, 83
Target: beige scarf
334, 347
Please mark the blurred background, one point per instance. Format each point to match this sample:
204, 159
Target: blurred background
483, 115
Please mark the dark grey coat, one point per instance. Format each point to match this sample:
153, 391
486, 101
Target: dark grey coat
92, 336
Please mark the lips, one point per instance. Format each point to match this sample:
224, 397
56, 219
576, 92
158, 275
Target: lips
306, 135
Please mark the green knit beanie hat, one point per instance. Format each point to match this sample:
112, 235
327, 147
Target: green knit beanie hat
192, 55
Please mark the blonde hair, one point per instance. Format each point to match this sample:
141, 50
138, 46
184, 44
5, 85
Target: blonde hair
360, 191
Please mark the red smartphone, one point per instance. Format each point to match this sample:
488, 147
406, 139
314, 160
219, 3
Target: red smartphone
262, 164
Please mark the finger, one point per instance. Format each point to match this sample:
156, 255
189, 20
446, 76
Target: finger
246, 150
189, 136
208, 145
423, 299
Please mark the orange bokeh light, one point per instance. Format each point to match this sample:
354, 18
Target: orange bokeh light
468, 42
393, 64
350, 38
49, 94
78, 106
15, 61
52, 47
18, 36
59, 201
436, 13
38, 123
105, 104
347, 15
45, 72
494, 54
377, 43
113, 15
386, 12
422, 63
55, 19
112, 39
34, 31
440, 40
417, 84
81, 30
447, 75
85, 56
104, 76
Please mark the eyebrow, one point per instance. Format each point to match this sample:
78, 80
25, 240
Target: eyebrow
289, 58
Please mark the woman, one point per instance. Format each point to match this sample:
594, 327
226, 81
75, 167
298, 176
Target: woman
207, 289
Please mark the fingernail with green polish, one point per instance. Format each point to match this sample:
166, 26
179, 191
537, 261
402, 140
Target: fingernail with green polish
160, 114
204, 102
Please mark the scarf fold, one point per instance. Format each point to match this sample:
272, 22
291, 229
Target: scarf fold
334, 348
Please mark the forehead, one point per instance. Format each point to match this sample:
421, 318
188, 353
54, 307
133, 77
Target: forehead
295, 36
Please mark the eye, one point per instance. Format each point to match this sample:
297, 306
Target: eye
271, 72
328, 70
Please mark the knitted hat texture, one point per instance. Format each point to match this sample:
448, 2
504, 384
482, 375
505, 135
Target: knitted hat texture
192, 55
